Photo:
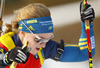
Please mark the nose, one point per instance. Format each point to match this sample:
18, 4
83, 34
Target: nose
43, 44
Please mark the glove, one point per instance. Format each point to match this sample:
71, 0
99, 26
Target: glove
17, 54
86, 12
60, 50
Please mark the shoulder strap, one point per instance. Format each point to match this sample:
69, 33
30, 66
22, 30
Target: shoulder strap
41, 56
6, 40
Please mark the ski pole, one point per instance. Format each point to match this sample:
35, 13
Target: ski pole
14, 64
87, 27
2, 10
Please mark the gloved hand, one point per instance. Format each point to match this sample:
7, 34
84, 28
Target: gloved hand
86, 12
60, 50
17, 54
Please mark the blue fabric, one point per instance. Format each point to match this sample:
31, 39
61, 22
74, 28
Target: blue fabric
17, 40
50, 50
37, 25
83, 35
74, 54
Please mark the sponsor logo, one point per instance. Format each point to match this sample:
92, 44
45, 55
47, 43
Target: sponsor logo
20, 28
50, 27
31, 28
92, 42
31, 21
20, 25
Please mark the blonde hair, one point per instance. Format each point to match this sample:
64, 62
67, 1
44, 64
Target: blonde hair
31, 11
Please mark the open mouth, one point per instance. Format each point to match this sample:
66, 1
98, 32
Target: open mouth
37, 49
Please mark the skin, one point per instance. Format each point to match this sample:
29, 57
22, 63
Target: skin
32, 43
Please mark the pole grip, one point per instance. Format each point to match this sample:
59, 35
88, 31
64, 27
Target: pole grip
1, 14
87, 22
14, 64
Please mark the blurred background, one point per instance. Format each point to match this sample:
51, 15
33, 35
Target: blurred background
67, 25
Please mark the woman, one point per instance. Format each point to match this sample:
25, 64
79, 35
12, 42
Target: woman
33, 23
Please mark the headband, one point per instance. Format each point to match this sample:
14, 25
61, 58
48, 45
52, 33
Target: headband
36, 25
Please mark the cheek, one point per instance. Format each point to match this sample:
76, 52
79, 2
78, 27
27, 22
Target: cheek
33, 48
32, 43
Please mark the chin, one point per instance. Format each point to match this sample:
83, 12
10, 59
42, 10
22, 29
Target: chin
33, 52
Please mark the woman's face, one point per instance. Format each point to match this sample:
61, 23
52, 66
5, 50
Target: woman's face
35, 46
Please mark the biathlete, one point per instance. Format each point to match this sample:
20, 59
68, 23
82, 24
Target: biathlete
33, 23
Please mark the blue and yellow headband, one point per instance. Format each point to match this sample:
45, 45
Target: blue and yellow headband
37, 25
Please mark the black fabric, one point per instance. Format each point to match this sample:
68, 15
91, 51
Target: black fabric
86, 12
2, 64
13, 54
60, 50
